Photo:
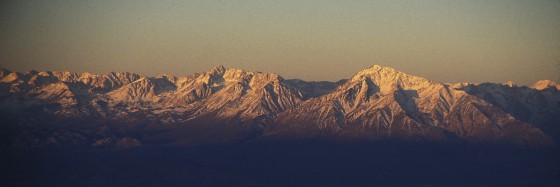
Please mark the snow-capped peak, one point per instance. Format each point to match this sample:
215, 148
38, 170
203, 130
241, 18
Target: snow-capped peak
545, 84
237, 75
509, 84
378, 102
218, 70
389, 79
213, 77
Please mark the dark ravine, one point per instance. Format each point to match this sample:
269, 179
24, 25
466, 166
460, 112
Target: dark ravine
230, 127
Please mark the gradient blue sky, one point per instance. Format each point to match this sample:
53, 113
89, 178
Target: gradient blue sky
446, 41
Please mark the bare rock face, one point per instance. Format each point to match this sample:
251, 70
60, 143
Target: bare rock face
378, 103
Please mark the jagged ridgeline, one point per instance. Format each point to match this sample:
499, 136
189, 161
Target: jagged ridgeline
232, 105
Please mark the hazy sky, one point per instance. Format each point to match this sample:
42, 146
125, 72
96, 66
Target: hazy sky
446, 41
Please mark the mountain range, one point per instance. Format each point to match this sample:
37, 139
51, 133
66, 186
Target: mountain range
42, 109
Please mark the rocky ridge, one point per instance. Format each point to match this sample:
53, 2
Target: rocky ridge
378, 103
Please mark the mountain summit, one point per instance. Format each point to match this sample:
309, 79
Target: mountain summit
383, 103
545, 84
388, 79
